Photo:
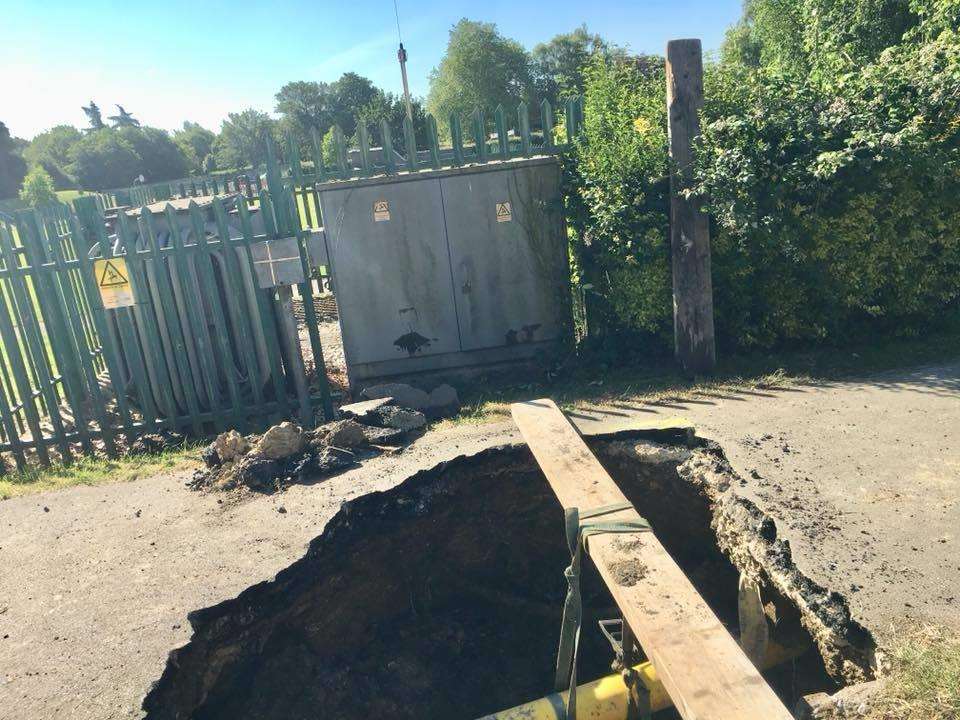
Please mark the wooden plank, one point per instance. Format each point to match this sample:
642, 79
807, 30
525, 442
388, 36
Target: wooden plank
702, 667
694, 344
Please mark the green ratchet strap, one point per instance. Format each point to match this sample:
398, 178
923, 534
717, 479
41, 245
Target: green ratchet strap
579, 529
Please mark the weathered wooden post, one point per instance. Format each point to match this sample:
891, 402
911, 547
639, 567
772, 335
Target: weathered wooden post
694, 345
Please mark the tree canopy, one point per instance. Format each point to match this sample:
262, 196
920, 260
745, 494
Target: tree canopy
94, 117
196, 144
123, 119
558, 65
828, 161
481, 69
104, 159
51, 151
240, 142
37, 189
12, 166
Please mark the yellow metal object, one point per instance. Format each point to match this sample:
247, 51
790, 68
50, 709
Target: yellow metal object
603, 699
606, 698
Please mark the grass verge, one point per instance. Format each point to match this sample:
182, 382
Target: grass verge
595, 383
95, 471
924, 678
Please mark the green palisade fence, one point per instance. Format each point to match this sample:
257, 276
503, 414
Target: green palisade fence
398, 152
76, 378
79, 379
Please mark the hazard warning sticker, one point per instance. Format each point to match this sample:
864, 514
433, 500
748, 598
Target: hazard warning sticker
381, 211
504, 213
113, 281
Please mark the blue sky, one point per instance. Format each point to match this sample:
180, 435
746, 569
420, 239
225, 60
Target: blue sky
178, 60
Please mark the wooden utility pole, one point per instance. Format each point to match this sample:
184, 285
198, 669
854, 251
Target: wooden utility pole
694, 344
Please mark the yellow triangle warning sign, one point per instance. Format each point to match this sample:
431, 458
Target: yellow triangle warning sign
504, 212
112, 275
113, 282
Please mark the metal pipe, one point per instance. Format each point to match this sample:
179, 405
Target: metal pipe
606, 698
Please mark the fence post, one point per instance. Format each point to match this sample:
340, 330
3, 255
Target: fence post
694, 344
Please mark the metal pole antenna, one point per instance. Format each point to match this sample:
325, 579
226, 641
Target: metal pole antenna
402, 57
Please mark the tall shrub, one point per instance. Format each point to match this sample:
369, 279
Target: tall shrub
834, 194
37, 189
617, 187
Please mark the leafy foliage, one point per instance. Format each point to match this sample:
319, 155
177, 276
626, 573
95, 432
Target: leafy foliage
240, 142
307, 106
94, 116
160, 157
829, 162
37, 189
104, 159
51, 150
12, 166
481, 69
196, 144
123, 119
617, 190
558, 65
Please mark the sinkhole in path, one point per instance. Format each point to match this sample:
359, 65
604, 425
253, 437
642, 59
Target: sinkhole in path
442, 597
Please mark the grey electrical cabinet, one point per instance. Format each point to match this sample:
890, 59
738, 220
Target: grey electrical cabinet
448, 269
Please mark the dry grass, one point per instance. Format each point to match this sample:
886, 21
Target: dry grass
95, 471
924, 678
651, 390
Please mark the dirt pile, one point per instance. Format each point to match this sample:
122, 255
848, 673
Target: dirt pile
286, 454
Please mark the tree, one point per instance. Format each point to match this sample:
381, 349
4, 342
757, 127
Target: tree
12, 166
104, 159
304, 106
351, 93
481, 69
196, 143
241, 140
37, 189
391, 107
160, 157
821, 38
51, 150
123, 119
557, 66
94, 117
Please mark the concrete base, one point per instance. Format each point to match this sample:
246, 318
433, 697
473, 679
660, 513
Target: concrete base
523, 359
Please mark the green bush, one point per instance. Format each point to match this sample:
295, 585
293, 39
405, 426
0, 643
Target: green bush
834, 195
37, 189
617, 189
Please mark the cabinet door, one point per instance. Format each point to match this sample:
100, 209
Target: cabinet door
391, 270
508, 255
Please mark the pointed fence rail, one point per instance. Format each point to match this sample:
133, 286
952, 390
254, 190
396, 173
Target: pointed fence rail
197, 351
78, 378
379, 148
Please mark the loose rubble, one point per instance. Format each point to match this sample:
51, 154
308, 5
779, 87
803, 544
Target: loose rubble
443, 401
155, 443
286, 454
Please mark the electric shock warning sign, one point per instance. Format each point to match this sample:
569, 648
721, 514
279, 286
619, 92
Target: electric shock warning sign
504, 213
113, 281
381, 211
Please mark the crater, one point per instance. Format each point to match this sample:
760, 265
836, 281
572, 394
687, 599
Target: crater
442, 597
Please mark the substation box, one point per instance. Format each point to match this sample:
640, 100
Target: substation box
445, 271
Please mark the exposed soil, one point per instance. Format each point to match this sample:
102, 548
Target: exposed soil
862, 478
628, 572
93, 593
442, 598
